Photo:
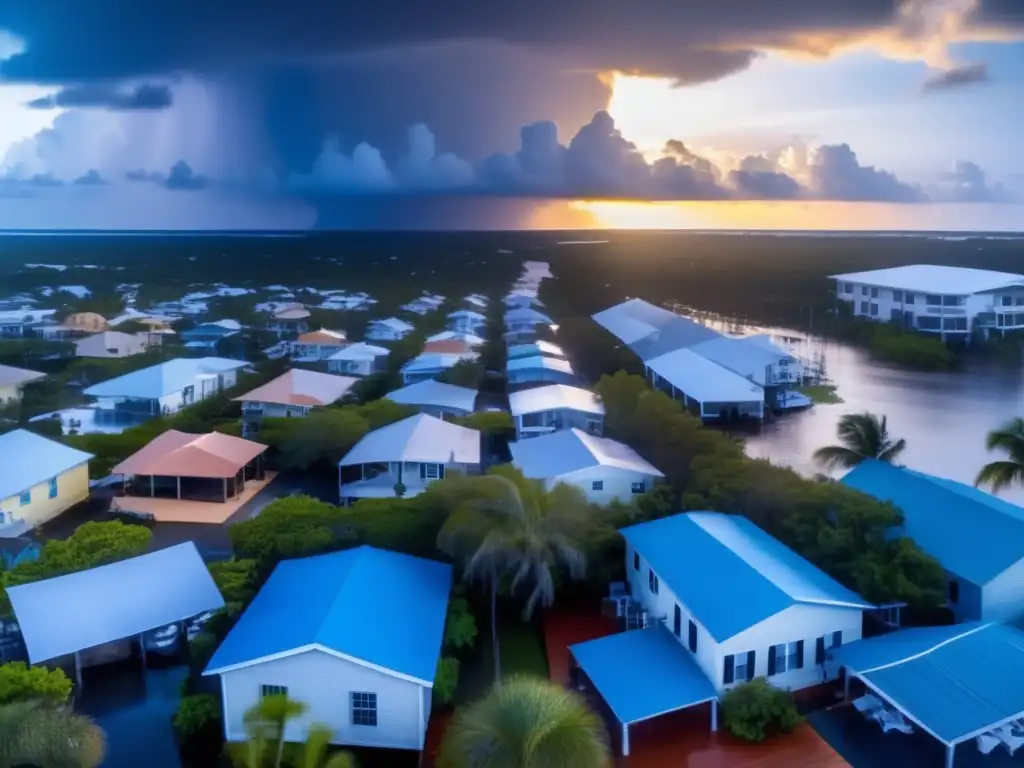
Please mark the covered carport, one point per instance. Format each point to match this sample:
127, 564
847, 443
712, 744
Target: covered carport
706, 387
66, 615
642, 674
956, 683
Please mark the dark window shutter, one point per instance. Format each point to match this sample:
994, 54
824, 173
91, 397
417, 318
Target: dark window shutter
837, 639
729, 670
771, 660
636, 561
423, 471
799, 654
693, 637
819, 651
751, 658
677, 623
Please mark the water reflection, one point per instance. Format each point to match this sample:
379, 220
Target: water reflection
944, 416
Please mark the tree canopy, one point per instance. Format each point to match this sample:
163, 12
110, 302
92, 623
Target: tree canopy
20, 682
862, 436
1007, 472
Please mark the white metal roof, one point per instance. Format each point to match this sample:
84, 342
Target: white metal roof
436, 393
552, 397
526, 315
570, 450
30, 459
435, 361
394, 323
704, 380
931, 278
163, 378
747, 358
469, 339
420, 438
532, 363
468, 314
360, 351
11, 376
70, 613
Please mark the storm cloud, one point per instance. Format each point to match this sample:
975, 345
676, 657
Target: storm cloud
146, 96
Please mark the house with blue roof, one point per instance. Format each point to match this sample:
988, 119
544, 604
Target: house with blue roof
319, 632
739, 600
976, 537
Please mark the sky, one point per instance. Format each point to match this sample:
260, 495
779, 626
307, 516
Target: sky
823, 114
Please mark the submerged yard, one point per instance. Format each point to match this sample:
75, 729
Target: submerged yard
522, 651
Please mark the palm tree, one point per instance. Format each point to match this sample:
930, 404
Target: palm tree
265, 724
513, 527
862, 436
33, 733
526, 722
1009, 439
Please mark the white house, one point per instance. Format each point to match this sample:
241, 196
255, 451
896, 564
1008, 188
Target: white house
466, 321
289, 320
109, 344
13, 380
14, 322
425, 304
525, 319
436, 398
549, 408
477, 300
293, 393
360, 359
413, 452
469, 339
522, 298
605, 470
318, 345
391, 329
539, 348
530, 370
755, 358
977, 538
429, 365
740, 601
166, 387
936, 299
368, 680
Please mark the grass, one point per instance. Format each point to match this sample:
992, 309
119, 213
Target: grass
821, 394
522, 652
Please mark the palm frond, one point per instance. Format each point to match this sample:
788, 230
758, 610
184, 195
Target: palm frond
837, 457
999, 475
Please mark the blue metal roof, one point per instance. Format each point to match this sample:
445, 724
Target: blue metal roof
971, 533
383, 608
643, 673
955, 682
754, 575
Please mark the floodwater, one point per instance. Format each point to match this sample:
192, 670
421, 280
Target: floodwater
944, 416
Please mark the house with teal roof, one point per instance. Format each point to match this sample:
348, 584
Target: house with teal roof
977, 538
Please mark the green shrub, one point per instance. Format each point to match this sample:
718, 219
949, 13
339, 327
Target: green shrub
446, 680
197, 715
460, 627
20, 682
757, 710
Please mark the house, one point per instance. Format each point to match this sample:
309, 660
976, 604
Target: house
936, 299
603, 469
530, 370
15, 322
552, 407
522, 298
293, 393
755, 358
524, 319
477, 300
208, 335
466, 321
538, 348
977, 538
182, 466
75, 325
112, 344
469, 339
319, 345
39, 479
368, 680
289, 320
13, 380
166, 387
155, 324
436, 398
425, 304
706, 388
17, 550
390, 329
410, 454
448, 347
429, 365
768, 612
360, 359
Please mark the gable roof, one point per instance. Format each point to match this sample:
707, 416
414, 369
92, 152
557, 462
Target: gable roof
570, 450
650, 331
526, 315
552, 397
704, 380
535, 348
394, 324
360, 351
301, 387
469, 314
163, 378
755, 576
471, 339
333, 603
971, 533
436, 393
322, 336
180, 454
538, 363
419, 438
741, 356
447, 346
436, 361
13, 377
30, 459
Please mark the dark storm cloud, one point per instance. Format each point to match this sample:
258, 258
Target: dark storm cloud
836, 174
183, 177
958, 77
968, 183
90, 178
102, 96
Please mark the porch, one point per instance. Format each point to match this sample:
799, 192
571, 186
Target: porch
172, 510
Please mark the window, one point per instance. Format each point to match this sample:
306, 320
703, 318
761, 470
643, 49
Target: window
897, 296
1007, 301
273, 690
933, 301
863, 307
873, 309
926, 323
908, 298
53, 488
364, 709
954, 591
431, 471
597, 485
874, 293
785, 657
677, 622
847, 288
863, 290
636, 561
826, 643
692, 637
739, 667
640, 487
652, 581
953, 301
25, 498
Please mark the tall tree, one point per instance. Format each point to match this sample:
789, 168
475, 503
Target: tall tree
1009, 440
33, 733
512, 527
862, 436
526, 722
